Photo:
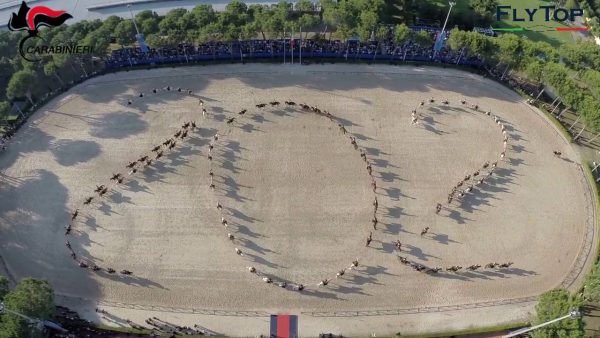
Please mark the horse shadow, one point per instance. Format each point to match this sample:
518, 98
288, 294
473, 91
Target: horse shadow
396, 212
262, 261
443, 239
250, 245
248, 232
457, 216
395, 194
417, 252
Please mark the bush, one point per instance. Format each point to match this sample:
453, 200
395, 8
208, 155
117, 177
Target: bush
554, 304
591, 286
31, 297
3, 287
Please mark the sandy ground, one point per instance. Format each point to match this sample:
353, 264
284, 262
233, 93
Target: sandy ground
298, 199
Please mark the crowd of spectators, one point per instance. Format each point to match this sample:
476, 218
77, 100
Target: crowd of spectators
385, 50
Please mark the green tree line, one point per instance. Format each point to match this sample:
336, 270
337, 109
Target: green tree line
572, 71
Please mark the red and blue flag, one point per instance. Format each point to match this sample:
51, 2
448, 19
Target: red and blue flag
284, 326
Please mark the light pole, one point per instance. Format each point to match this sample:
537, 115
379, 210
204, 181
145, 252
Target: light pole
573, 314
139, 36
133, 19
442, 34
451, 3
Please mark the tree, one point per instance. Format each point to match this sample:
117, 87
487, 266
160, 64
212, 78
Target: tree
509, 50
368, 21
235, 13
402, 34
155, 41
125, 32
305, 6
20, 85
554, 304
589, 108
423, 39
275, 26
147, 21
260, 15
484, 9
4, 107
31, 297
458, 39
203, 15
99, 40
308, 21
51, 69
539, 50
592, 80
534, 70
211, 32
381, 33
111, 23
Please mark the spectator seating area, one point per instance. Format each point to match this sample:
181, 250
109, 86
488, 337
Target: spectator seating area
278, 49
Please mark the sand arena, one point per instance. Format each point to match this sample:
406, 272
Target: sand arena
298, 199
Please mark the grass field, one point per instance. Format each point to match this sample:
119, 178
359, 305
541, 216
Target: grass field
549, 35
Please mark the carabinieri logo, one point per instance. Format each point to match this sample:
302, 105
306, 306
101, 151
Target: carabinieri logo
30, 20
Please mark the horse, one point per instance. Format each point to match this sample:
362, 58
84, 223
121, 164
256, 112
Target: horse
474, 267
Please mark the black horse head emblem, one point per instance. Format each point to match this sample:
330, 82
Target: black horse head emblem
31, 19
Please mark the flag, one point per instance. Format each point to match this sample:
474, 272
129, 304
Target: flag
440, 41
284, 326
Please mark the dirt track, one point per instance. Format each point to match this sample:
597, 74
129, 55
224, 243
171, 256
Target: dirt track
296, 194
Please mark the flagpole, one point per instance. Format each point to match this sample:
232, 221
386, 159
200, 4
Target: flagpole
292, 44
284, 46
301, 45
